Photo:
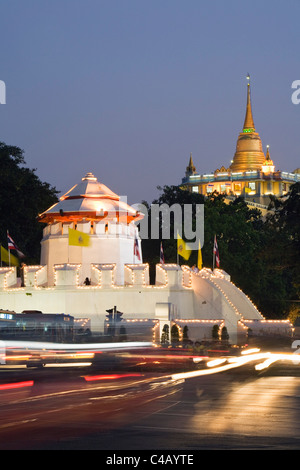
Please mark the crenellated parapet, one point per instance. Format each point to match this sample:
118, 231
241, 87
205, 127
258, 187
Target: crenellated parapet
8, 277
199, 300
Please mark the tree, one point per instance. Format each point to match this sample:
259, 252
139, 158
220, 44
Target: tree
282, 252
288, 224
22, 197
165, 334
174, 334
260, 254
185, 335
224, 334
170, 195
215, 332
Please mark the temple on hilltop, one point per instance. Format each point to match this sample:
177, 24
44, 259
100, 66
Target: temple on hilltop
252, 174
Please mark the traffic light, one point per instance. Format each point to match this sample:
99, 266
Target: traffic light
109, 317
118, 316
113, 316
108, 327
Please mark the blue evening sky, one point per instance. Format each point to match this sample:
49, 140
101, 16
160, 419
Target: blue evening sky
127, 89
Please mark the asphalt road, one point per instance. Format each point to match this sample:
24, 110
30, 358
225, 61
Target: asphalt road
230, 411
238, 409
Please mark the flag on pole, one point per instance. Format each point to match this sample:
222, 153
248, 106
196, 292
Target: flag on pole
136, 249
200, 262
183, 249
216, 253
77, 238
8, 258
162, 258
12, 246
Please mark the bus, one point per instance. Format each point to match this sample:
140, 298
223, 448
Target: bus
33, 325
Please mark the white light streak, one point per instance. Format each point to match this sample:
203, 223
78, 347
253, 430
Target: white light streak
75, 347
234, 362
216, 362
250, 351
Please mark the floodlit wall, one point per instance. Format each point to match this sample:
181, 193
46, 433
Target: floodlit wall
136, 299
178, 295
269, 328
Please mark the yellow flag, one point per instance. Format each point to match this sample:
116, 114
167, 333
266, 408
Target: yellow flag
200, 263
182, 248
78, 238
248, 190
8, 259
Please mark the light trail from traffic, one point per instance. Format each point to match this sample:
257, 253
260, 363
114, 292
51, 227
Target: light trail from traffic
234, 362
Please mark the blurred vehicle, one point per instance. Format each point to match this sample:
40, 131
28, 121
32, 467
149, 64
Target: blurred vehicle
36, 326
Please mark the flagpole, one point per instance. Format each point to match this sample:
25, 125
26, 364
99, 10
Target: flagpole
214, 255
68, 245
7, 235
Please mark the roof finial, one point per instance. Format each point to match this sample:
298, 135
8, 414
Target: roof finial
191, 160
89, 176
190, 169
249, 123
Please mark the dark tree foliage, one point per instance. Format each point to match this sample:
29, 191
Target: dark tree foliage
260, 254
22, 197
282, 257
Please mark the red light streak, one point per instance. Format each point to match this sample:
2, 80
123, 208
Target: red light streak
183, 356
11, 386
91, 378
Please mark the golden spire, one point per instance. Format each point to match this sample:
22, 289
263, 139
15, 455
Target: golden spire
191, 163
268, 166
190, 169
249, 123
249, 154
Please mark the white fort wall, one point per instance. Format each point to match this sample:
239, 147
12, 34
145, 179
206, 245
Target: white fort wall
179, 294
136, 298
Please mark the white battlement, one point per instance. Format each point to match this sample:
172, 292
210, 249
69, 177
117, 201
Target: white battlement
179, 294
8, 277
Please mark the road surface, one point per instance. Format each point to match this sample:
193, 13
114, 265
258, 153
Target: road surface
238, 409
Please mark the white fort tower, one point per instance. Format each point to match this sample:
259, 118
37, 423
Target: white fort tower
112, 262
109, 223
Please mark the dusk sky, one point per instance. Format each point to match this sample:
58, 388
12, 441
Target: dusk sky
127, 89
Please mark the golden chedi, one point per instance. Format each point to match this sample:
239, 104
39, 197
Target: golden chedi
249, 154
